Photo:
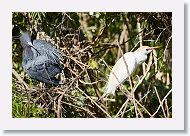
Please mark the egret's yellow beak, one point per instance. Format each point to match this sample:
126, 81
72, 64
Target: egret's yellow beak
156, 47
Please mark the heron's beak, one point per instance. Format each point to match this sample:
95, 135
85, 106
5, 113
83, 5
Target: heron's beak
31, 45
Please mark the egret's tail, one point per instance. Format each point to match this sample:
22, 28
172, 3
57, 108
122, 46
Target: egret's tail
110, 90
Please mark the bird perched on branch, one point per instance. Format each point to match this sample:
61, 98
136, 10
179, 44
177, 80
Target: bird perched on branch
40, 59
124, 68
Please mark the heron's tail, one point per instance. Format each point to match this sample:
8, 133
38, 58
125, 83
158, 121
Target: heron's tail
55, 81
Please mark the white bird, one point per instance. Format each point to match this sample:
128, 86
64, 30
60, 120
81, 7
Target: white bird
120, 73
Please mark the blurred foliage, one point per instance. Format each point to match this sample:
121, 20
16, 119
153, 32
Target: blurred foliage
99, 33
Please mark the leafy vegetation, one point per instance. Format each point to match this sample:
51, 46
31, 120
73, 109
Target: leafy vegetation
91, 43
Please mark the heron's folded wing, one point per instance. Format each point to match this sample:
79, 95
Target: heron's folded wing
47, 48
43, 69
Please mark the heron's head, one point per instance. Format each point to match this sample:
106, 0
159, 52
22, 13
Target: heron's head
25, 39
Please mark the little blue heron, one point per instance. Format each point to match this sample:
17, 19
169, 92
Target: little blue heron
40, 60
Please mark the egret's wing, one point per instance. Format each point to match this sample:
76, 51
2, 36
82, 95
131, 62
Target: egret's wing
120, 73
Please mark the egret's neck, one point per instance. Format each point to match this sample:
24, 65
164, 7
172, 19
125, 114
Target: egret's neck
140, 57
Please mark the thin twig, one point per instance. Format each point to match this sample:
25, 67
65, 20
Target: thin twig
81, 108
140, 113
161, 104
58, 111
124, 109
167, 109
105, 99
160, 34
125, 103
94, 102
19, 78
143, 107
145, 95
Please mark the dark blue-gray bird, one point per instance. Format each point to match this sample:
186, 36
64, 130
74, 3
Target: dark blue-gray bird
40, 60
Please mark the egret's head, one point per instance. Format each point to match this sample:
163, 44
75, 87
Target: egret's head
142, 52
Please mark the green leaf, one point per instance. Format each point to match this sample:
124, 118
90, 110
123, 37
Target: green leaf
93, 64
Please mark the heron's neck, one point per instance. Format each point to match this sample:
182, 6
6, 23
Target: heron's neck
27, 55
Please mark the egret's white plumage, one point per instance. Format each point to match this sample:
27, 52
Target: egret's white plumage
120, 73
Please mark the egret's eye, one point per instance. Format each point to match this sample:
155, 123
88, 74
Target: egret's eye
147, 49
